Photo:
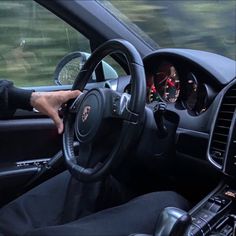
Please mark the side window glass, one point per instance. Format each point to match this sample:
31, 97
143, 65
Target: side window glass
33, 41
112, 68
70, 65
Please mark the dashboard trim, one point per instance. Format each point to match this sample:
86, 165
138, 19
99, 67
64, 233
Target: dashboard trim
221, 94
229, 138
192, 132
222, 68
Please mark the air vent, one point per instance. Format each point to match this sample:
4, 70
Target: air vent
222, 127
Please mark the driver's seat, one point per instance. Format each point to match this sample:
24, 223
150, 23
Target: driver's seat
41, 210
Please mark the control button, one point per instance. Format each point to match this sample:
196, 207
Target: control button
195, 230
201, 223
115, 104
213, 207
212, 199
218, 199
205, 215
227, 230
221, 200
216, 203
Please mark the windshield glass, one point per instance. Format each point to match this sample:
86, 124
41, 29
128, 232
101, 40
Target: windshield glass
203, 25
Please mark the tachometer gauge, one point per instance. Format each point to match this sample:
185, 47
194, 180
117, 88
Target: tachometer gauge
167, 83
151, 90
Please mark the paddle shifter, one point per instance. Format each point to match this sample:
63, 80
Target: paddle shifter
172, 222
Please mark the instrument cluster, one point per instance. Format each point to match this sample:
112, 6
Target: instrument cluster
169, 84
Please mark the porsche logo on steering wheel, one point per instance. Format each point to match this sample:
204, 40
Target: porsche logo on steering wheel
85, 113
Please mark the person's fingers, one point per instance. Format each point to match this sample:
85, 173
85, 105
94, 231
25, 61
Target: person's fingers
71, 94
75, 93
60, 128
49, 103
58, 122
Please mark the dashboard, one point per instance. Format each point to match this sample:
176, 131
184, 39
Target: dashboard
199, 87
192, 84
187, 79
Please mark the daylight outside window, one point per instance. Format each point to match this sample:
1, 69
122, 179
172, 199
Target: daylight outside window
203, 25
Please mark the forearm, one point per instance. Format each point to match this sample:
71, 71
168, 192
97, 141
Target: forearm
12, 98
47, 103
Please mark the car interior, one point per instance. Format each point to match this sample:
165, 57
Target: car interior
166, 123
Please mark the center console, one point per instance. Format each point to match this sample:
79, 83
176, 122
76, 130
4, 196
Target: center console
216, 214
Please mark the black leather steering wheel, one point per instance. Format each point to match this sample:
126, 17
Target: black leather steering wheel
92, 119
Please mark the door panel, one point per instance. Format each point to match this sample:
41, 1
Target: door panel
34, 40
25, 145
25, 139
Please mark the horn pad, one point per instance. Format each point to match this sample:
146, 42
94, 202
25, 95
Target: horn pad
89, 116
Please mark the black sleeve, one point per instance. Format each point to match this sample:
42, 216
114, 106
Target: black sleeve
12, 98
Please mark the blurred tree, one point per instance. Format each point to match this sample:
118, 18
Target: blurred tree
32, 41
205, 25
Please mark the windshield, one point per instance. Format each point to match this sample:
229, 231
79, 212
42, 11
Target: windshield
203, 25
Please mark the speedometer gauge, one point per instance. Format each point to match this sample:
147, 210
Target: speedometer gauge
167, 83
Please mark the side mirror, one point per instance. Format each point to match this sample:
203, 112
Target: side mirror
68, 68
70, 65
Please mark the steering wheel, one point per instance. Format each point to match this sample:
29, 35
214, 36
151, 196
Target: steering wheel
101, 122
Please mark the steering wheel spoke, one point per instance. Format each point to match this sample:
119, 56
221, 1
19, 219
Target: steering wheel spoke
117, 106
112, 104
130, 116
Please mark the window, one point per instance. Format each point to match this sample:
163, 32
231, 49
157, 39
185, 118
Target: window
207, 25
112, 69
33, 41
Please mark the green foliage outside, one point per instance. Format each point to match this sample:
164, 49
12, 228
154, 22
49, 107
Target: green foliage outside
33, 40
204, 25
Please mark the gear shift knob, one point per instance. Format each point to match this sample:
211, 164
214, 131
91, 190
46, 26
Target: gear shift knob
172, 222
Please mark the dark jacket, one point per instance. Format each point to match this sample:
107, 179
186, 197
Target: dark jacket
12, 98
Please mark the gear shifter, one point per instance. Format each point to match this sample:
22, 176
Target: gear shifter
172, 222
